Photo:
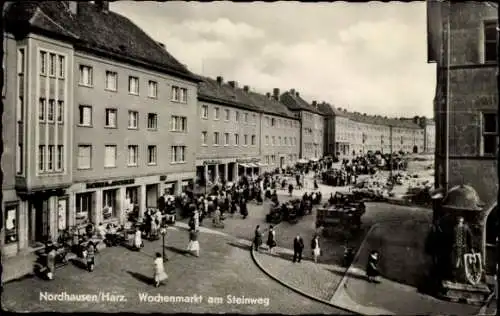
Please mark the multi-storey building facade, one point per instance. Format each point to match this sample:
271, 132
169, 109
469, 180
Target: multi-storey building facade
92, 118
462, 41
242, 132
429, 126
352, 133
312, 123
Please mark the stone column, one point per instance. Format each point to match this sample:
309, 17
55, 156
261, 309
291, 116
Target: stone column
142, 200
23, 225
178, 187
53, 217
205, 173
120, 205
216, 173
71, 209
235, 172
97, 207
226, 171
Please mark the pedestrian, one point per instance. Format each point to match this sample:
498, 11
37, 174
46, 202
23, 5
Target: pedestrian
193, 245
372, 266
316, 250
51, 261
316, 187
290, 189
160, 274
90, 256
298, 247
138, 239
258, 238
271, 239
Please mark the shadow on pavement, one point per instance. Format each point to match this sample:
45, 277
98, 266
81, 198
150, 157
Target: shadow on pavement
349, 274
141, 277
240, 245
78, 263
177, 250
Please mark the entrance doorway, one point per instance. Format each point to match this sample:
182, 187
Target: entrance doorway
415, 149
39, 221
282, 162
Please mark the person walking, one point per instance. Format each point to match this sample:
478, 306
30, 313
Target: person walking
160, 274
372, 271
193, 245
316, 250
290, 189
51, 261
298, 247
258, 238
90, 256
138, 239
271, 239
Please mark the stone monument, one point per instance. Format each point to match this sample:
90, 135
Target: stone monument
457, 246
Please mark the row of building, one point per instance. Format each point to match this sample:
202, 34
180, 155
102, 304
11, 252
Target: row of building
99, 118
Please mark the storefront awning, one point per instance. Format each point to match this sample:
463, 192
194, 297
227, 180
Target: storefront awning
302, 161
252, 165
260, 164
314, 159
244, 165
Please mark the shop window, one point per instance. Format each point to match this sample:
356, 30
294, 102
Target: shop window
11, 233
109, 204
83, 208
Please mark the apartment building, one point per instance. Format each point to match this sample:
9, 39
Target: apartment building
429, 126
230, 127
99, 124
312, 123
462, 42
353, 133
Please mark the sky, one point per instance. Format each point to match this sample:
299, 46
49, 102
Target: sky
365, 57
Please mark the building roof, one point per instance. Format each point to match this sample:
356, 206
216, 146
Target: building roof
93, 29
228, 93
330, 110
294, 102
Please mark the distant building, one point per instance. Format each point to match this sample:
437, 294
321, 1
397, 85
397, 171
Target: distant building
312, 123
352, 133
462, 41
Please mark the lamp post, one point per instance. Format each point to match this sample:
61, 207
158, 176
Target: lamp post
163, 232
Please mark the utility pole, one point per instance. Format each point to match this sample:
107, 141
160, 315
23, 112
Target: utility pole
390, 157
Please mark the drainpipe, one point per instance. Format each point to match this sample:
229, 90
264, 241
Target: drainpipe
447, 105
498, 164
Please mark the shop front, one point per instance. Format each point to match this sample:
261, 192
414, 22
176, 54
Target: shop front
249, 166
216, 171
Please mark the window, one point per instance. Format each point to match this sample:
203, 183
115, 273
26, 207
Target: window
246, 117
52, 64
179, 94
41, 158
41, 109
285, 140
204, 111
267, 140
274, 141
152, 89
43, 63
133, 119
60, 158
109, 156
216, 138
254, 118
60, 111
133, 85
279, 141
85, 117
216, 113
152, 155
204, 138
226, 139
179, 123
19, 159
86, 75
490, 41
227, 114
490, 134
236, 139
152, 121
245, 140
109, 209
11, 231
237, 116
178, 154
83, 207
50, 111
62, 66
273, 122
110, 118
111, 80
133, 152
84, 156
50, 160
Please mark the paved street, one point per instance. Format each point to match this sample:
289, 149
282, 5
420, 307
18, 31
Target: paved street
224, 268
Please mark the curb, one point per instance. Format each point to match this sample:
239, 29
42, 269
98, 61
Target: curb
317, 299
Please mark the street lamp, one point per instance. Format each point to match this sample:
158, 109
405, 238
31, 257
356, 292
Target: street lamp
163, 232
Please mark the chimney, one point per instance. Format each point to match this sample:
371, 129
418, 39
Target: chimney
246, 88
276, 94
292, 91
161, 44
102, 6
233, 84
220, 80
315, 104
73, 7
268, 95
297, 94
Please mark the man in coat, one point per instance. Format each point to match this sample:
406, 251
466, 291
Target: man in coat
298, 247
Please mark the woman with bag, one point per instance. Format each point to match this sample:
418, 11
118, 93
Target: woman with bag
160, 274
271, 239
316, 251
